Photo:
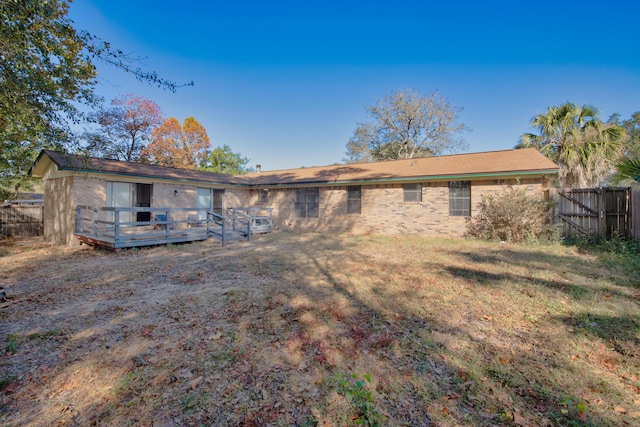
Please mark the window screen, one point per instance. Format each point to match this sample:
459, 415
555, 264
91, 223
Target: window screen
460, 198
412, 192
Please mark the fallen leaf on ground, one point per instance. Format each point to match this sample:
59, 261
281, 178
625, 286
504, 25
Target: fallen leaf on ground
195, 383
519, 419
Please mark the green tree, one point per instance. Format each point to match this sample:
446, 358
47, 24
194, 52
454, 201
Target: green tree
632, 127
407, 124
576, 139
628, 168
42, 73
223, 160
47, 69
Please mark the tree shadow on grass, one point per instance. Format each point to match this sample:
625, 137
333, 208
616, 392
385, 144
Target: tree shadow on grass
454, 384
558, 269
270, 332
484, 278
621, 333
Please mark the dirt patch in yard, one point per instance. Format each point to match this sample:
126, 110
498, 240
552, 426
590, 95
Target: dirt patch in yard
306, 329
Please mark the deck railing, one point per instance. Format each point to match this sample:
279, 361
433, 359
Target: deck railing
120, 227
217, 226
251, 220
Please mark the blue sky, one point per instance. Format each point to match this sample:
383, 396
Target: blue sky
286, 83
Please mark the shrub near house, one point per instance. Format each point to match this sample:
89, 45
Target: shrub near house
512, 216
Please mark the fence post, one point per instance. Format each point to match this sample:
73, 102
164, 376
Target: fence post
602, 213
634, 210
627, 217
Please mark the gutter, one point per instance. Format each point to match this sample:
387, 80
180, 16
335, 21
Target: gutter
425, 178
97, 172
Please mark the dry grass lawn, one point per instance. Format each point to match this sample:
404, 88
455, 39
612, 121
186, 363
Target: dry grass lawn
309, 329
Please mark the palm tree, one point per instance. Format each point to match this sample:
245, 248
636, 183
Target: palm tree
628, 168
576, 139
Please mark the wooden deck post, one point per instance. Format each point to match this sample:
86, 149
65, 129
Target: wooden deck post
224, 226
233, 218
116, 225
249, 225
95, 222
78, 218
166, 226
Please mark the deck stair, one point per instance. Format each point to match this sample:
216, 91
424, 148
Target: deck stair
239, 223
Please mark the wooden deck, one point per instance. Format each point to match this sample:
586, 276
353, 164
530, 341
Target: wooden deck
115, 228
142, 239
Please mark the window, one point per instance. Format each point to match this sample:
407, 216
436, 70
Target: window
210, 199
412, 192
263, 196
460, 198
354, 197
307, 202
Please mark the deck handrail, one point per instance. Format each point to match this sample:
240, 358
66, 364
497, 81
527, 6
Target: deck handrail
254, 218
160, 228
219, 220
240, 221
125, 226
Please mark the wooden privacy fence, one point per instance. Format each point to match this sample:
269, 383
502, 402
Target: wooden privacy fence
604, 212
635, 212
21, 220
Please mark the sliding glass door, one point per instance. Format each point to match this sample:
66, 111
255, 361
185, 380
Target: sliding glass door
119, 195
127, 195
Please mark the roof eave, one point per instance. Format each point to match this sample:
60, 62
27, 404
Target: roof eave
163, 178
421, 178
34, 166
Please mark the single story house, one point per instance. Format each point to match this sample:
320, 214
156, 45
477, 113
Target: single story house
427, 196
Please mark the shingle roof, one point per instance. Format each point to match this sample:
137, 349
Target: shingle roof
494, 163
78, 163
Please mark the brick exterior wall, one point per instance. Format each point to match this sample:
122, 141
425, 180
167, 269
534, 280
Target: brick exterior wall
238, 197
64, 194
59, 211
383, 210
